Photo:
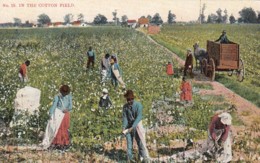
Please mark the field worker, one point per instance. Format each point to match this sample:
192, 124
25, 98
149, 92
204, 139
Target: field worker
104, 66
169, 69
58, 137
105, 101
91, 57
133, 128
23, 73
219, 138
223, 38
186, 91
188, 63
113, 56
116, 74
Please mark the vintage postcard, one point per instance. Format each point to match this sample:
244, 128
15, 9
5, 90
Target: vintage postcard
129, 81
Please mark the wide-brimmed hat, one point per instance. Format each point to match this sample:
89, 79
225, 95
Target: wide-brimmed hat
105, 91
129, 94
64, 89
225, 118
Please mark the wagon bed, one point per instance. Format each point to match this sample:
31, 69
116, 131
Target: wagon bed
223, 57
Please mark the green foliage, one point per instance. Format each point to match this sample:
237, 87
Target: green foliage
43, 19
187, 134
247, 15
203, 86
246, 91
157, 19
199, 115
58, 56
100, 19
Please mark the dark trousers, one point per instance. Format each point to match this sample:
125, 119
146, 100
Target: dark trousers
90, 61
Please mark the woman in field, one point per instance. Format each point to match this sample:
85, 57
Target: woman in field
57, 134
116, 74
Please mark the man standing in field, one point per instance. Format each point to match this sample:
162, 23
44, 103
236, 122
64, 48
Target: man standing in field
223, 38
188, 63
133, 128
91, 57
23, 73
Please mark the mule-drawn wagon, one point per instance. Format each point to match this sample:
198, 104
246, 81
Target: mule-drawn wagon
223, 57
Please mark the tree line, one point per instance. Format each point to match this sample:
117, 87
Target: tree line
247, 15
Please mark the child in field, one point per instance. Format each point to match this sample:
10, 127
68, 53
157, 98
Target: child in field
105, 101
169, 69
186, 91
23, 73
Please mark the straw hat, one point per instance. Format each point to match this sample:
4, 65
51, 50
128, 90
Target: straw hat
225, 118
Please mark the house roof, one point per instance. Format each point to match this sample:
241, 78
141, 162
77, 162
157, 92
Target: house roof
143, 21
131, 21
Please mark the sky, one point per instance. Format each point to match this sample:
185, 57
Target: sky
185, 10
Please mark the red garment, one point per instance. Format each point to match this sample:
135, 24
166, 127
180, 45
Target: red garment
23, 69
169, 69
62, 137
216, 124
186, 91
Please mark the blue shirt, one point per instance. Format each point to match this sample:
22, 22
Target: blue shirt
91, 53
66, 100
132, 115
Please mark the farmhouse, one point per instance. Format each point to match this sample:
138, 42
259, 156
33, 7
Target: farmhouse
131, 23
143, 22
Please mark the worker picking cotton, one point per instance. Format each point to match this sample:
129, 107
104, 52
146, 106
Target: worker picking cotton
116, 74
218, 144
133, 128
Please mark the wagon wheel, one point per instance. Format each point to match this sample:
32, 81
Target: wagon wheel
211, 69
204, 66
230, 73
241, 71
